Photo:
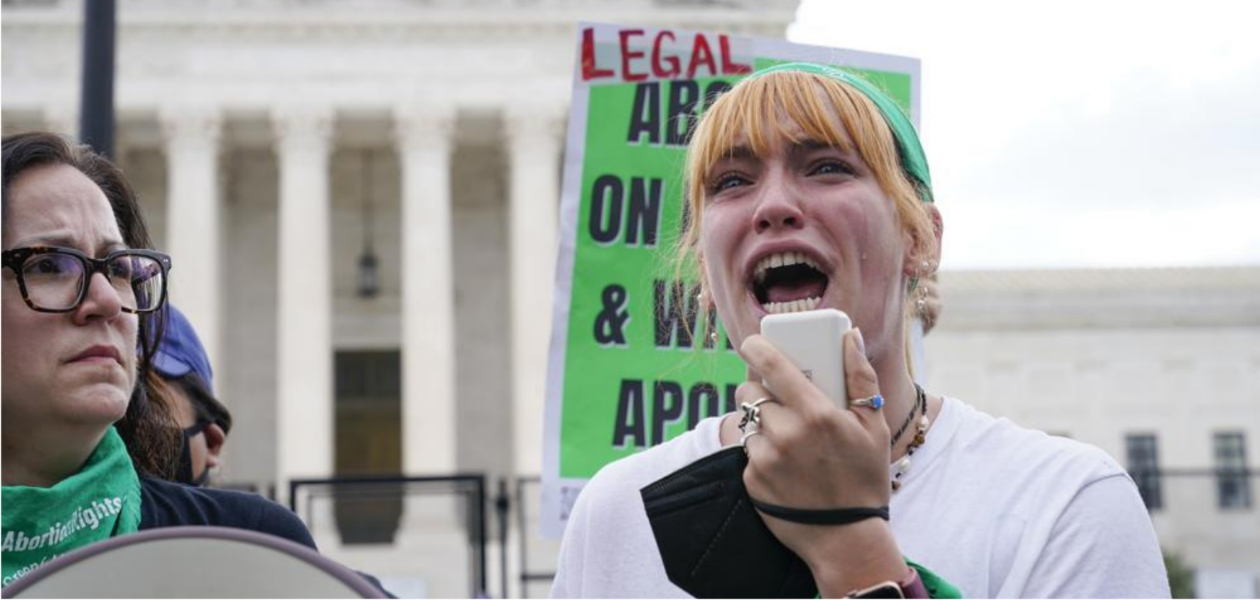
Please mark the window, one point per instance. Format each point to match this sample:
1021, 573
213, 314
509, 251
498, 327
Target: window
1233, 486
1143, 459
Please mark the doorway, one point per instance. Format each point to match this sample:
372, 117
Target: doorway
368, 431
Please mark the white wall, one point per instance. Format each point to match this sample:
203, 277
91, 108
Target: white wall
1098, 355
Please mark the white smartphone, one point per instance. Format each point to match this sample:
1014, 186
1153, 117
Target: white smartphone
814, 341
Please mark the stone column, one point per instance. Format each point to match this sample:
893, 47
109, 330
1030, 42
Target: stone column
423, 134
304, 378
191, 136
534, 142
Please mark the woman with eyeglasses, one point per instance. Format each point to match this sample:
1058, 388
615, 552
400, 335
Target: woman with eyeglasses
82, 300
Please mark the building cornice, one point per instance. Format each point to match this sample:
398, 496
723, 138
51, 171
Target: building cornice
1100, 298
359, 56
440, 20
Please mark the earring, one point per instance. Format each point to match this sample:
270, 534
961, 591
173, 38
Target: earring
703, 299
920, 300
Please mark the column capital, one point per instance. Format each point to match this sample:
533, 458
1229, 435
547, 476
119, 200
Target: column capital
303, 126
191, 123
424, 125
526, 123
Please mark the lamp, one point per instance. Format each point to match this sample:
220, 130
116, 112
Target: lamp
368, 273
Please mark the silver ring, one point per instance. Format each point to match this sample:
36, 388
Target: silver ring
752, 412
743, 439
875, 402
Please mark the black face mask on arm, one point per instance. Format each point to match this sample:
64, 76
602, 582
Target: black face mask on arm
711, 539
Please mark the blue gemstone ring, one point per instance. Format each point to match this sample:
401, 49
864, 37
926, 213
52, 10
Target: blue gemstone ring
876, 402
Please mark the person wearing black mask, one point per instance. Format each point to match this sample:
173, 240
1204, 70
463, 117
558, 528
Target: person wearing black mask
187, 380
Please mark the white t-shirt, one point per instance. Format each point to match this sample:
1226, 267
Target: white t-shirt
995, 509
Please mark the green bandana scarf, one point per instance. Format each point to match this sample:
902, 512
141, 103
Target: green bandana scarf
99, 502
910, 151
936, 586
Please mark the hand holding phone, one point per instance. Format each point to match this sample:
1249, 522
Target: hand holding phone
814, 341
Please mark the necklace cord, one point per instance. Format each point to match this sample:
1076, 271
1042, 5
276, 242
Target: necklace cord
920, 403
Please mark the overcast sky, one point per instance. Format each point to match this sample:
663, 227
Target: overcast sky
1078, 134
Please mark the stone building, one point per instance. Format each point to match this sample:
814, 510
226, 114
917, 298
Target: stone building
1159, 367
274, 141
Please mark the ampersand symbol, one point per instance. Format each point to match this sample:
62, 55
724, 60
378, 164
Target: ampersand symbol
611, 322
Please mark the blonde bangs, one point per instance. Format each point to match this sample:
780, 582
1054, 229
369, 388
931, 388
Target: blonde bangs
765, 108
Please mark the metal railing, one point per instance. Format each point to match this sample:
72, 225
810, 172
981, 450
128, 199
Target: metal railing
1193, 507
1225, 490
414, 533
528, 493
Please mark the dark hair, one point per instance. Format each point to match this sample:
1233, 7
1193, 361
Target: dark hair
207, 407
148, 427
165, 390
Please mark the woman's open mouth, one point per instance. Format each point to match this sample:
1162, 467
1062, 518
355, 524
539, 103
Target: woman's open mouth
786, 282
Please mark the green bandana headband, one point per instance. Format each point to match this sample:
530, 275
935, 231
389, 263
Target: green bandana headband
913, 160
101, 501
